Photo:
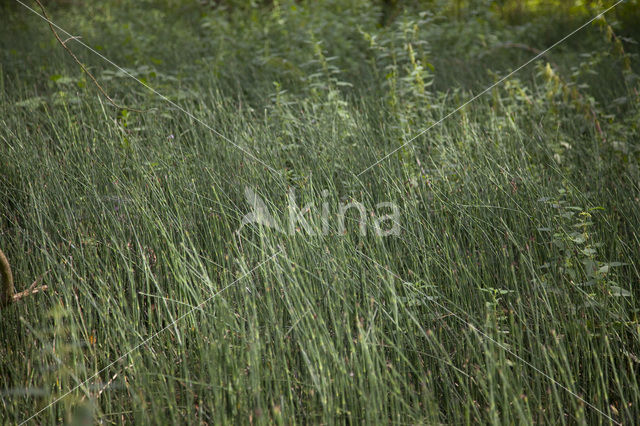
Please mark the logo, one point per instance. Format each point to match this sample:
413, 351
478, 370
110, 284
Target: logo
383, 221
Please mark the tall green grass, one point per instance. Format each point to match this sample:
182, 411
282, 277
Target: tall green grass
510, 295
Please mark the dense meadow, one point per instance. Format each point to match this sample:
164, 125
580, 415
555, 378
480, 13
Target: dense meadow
324, 211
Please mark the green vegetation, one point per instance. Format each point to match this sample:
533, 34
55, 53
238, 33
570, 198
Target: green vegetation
509, 296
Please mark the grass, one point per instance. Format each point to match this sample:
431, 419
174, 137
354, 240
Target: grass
509, 296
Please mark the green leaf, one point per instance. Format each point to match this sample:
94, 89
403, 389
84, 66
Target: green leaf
619, 291
577, 238
31, 103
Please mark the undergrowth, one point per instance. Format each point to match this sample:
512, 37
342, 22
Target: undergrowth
509, 294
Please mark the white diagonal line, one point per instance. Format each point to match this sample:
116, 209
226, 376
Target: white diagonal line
488, 88
190, 115
485, 335
145, 341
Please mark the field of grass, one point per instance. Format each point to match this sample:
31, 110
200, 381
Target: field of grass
499, 284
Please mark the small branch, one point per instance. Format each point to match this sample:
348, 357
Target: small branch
86, 71
71, 38
29, 292
33, 288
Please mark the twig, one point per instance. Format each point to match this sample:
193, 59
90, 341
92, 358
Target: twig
33, 288
29, 292
106, 385
84, 68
